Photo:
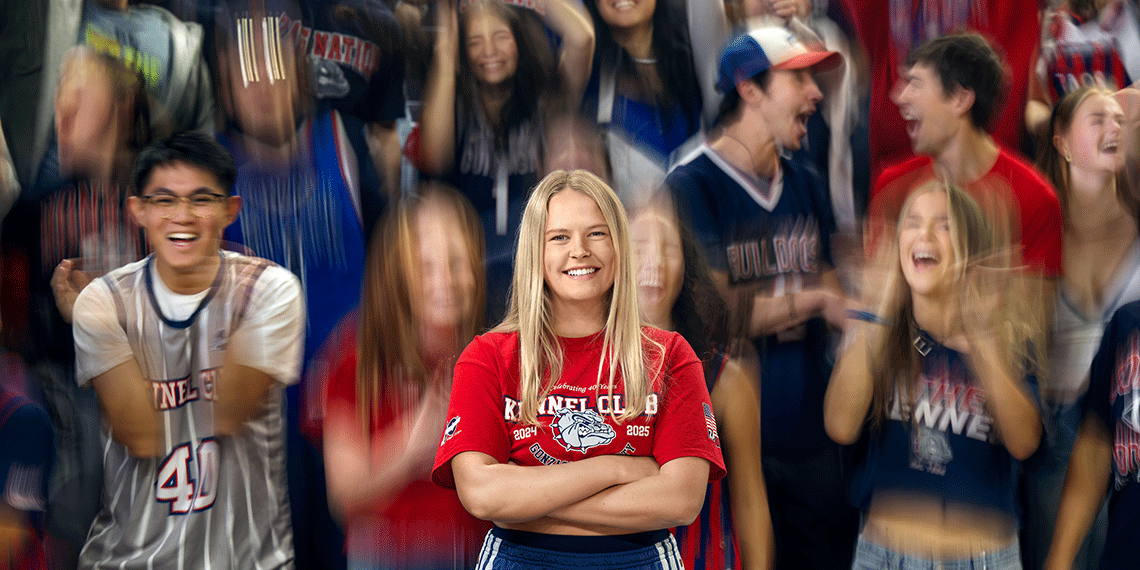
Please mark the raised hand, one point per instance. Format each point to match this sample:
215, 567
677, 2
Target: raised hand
66, 283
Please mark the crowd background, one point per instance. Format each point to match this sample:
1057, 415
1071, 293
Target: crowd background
385, 151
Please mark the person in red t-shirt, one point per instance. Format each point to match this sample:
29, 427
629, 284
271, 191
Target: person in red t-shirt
952, 84
889, 29
422, 301
582, 434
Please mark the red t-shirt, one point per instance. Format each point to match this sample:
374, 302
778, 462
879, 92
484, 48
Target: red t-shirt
425, 526
1011, 26
1036, 214
575, 418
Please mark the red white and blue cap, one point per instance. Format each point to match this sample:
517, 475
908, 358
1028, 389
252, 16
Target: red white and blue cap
767, 48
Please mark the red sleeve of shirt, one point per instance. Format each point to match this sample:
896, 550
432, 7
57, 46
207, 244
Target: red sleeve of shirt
685, 424
475, 414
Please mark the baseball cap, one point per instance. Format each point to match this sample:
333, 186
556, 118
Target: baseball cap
767, 48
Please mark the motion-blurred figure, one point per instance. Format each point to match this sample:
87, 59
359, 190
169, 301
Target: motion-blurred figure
386, 403
493, 84
1084, 160
301, 173
890, 29
764, 223
677, 293
104, 117
953, 86
647, 88
938, 375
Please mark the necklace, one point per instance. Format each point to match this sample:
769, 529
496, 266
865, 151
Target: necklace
645, 60
748, 151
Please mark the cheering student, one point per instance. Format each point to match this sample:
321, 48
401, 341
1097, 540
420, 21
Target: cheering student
935, 373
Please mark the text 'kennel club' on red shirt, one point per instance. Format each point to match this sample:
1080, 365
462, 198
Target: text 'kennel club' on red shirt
575, 419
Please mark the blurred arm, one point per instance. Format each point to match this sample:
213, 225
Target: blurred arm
736, 405
103, 355
573, 24
127, 401
848, 397
384, 150
264, 350
771, 315
1086, 483
364, 474
1016, 415
437, 123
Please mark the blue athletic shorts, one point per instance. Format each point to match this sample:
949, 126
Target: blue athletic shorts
519, 550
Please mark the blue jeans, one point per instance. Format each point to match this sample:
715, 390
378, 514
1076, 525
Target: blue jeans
874, 557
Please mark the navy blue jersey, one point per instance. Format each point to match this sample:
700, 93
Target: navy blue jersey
768, 237
1114, 398
355, 61
946, 446
498, 182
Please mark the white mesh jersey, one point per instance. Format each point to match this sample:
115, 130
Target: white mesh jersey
210, 502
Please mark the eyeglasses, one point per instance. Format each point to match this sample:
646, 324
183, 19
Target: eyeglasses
203, 205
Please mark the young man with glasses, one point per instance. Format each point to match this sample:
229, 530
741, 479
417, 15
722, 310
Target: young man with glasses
188, 351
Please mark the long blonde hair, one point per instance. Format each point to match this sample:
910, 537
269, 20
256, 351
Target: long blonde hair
894, 362
390, 365
540, 355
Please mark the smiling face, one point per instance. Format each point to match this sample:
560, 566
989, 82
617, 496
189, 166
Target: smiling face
185, 241
443, 296
926, 247
578, 259
1093, 139
660, 265
491, 49
930, 118
787, 103
626, 14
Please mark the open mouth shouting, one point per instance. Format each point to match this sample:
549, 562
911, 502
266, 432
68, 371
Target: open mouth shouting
913, 124
924, 259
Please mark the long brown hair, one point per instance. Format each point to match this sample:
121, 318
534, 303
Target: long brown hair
1054, 166
535, 77
390, 367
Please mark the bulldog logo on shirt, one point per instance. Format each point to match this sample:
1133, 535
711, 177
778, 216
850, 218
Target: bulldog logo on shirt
579, 431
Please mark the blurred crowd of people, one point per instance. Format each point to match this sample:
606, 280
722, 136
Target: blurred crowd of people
902, 237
